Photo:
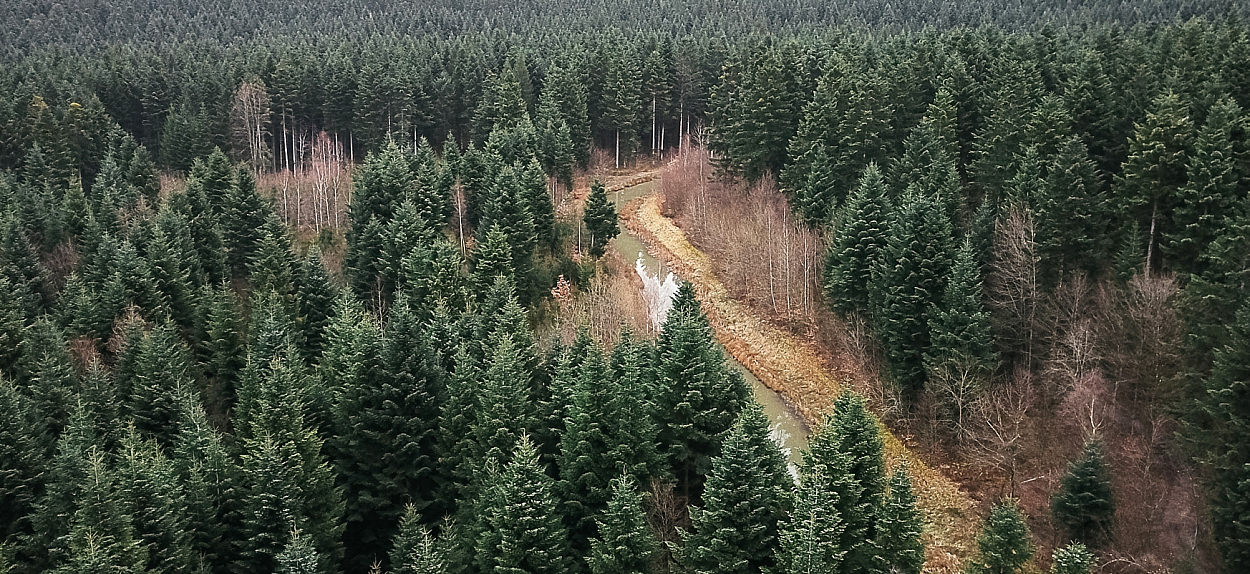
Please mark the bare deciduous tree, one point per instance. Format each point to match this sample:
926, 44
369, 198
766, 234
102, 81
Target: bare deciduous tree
249, 122
1012, 285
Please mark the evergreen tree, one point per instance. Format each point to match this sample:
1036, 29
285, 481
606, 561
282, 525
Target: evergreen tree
100, 538
243, 217
1228, 405
1004, 541
1084, 504
416, 551
204, 471
1072, 559
316, 294
504, 409
1210, 190
1072, 214
150, 495
600, 219
521, 529
298, 557
746, 497
23, 448
909, 281
698, 395
810, 536
625, 543
858, 242
160, 374
621, 101
899, 527
1156, 169
961, 354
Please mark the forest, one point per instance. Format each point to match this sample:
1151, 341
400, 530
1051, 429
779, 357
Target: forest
344, 287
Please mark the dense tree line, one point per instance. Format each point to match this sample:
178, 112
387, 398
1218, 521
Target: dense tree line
963, 176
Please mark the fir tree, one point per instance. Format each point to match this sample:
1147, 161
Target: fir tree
625, 543
243, 217
899, 527
204, 470
23, 448
415, 550
521, 529
1084, 505
962, 353
746, 497
298, 557
1156, 169
909, 281
1211, 186
600, 219
1227, 405
316, 294
100, 537
810, 537
858, 241
1072, 559
152, 497
698, 395
1004, 541
160, 374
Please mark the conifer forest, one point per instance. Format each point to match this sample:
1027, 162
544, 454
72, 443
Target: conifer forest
629, 287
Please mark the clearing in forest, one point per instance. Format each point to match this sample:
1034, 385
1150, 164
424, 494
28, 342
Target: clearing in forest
791, 366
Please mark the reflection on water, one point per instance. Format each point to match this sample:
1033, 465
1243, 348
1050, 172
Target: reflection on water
788, 430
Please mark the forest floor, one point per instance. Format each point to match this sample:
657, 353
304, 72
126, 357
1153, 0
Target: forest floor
793, 367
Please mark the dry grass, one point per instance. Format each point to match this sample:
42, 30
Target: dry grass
793, 367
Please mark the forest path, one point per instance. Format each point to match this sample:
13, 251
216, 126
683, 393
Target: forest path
792, 367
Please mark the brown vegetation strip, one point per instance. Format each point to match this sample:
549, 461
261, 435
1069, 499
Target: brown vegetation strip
790, 366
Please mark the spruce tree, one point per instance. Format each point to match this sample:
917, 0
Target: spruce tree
151, 495
160, 374
1227, 404
316, 294
1084, 504
493, 259
24, 448
899, 526
625, 543
1072, 214
520, 525
243, 217
858, 241
100, 536
1004, 543
205, 472
1074, 558
600, 219
504, 409
746, 497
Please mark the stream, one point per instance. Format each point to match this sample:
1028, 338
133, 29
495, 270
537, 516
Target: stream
788, 430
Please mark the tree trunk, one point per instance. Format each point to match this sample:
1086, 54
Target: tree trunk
618, 149
1150, 245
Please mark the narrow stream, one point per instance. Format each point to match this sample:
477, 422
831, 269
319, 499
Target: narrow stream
788, 429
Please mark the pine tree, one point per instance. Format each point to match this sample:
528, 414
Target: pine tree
415, 550
746, 497
899, 527
909, 281
521, 529
600, 219
811, 535
1004, 541
625, 543
698, 395
1072, 559
858, 242
1227, 405
1084, 504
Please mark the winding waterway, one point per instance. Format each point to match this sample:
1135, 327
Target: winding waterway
789, 430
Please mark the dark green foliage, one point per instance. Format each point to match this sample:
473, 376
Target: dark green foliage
521, 529
760, 100
859, 239
1074, 558
100, 537
625, 543
899, 526
1084, 504
23, 448
243, 216
316, 295
962, 351
908, 284
204, 471
746, 497
1212, 183
159, 375
1228, 405
1072, 214
1156, 169
698, 395
298, 557
600, 219
1003, 544
415, 550
152, 497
